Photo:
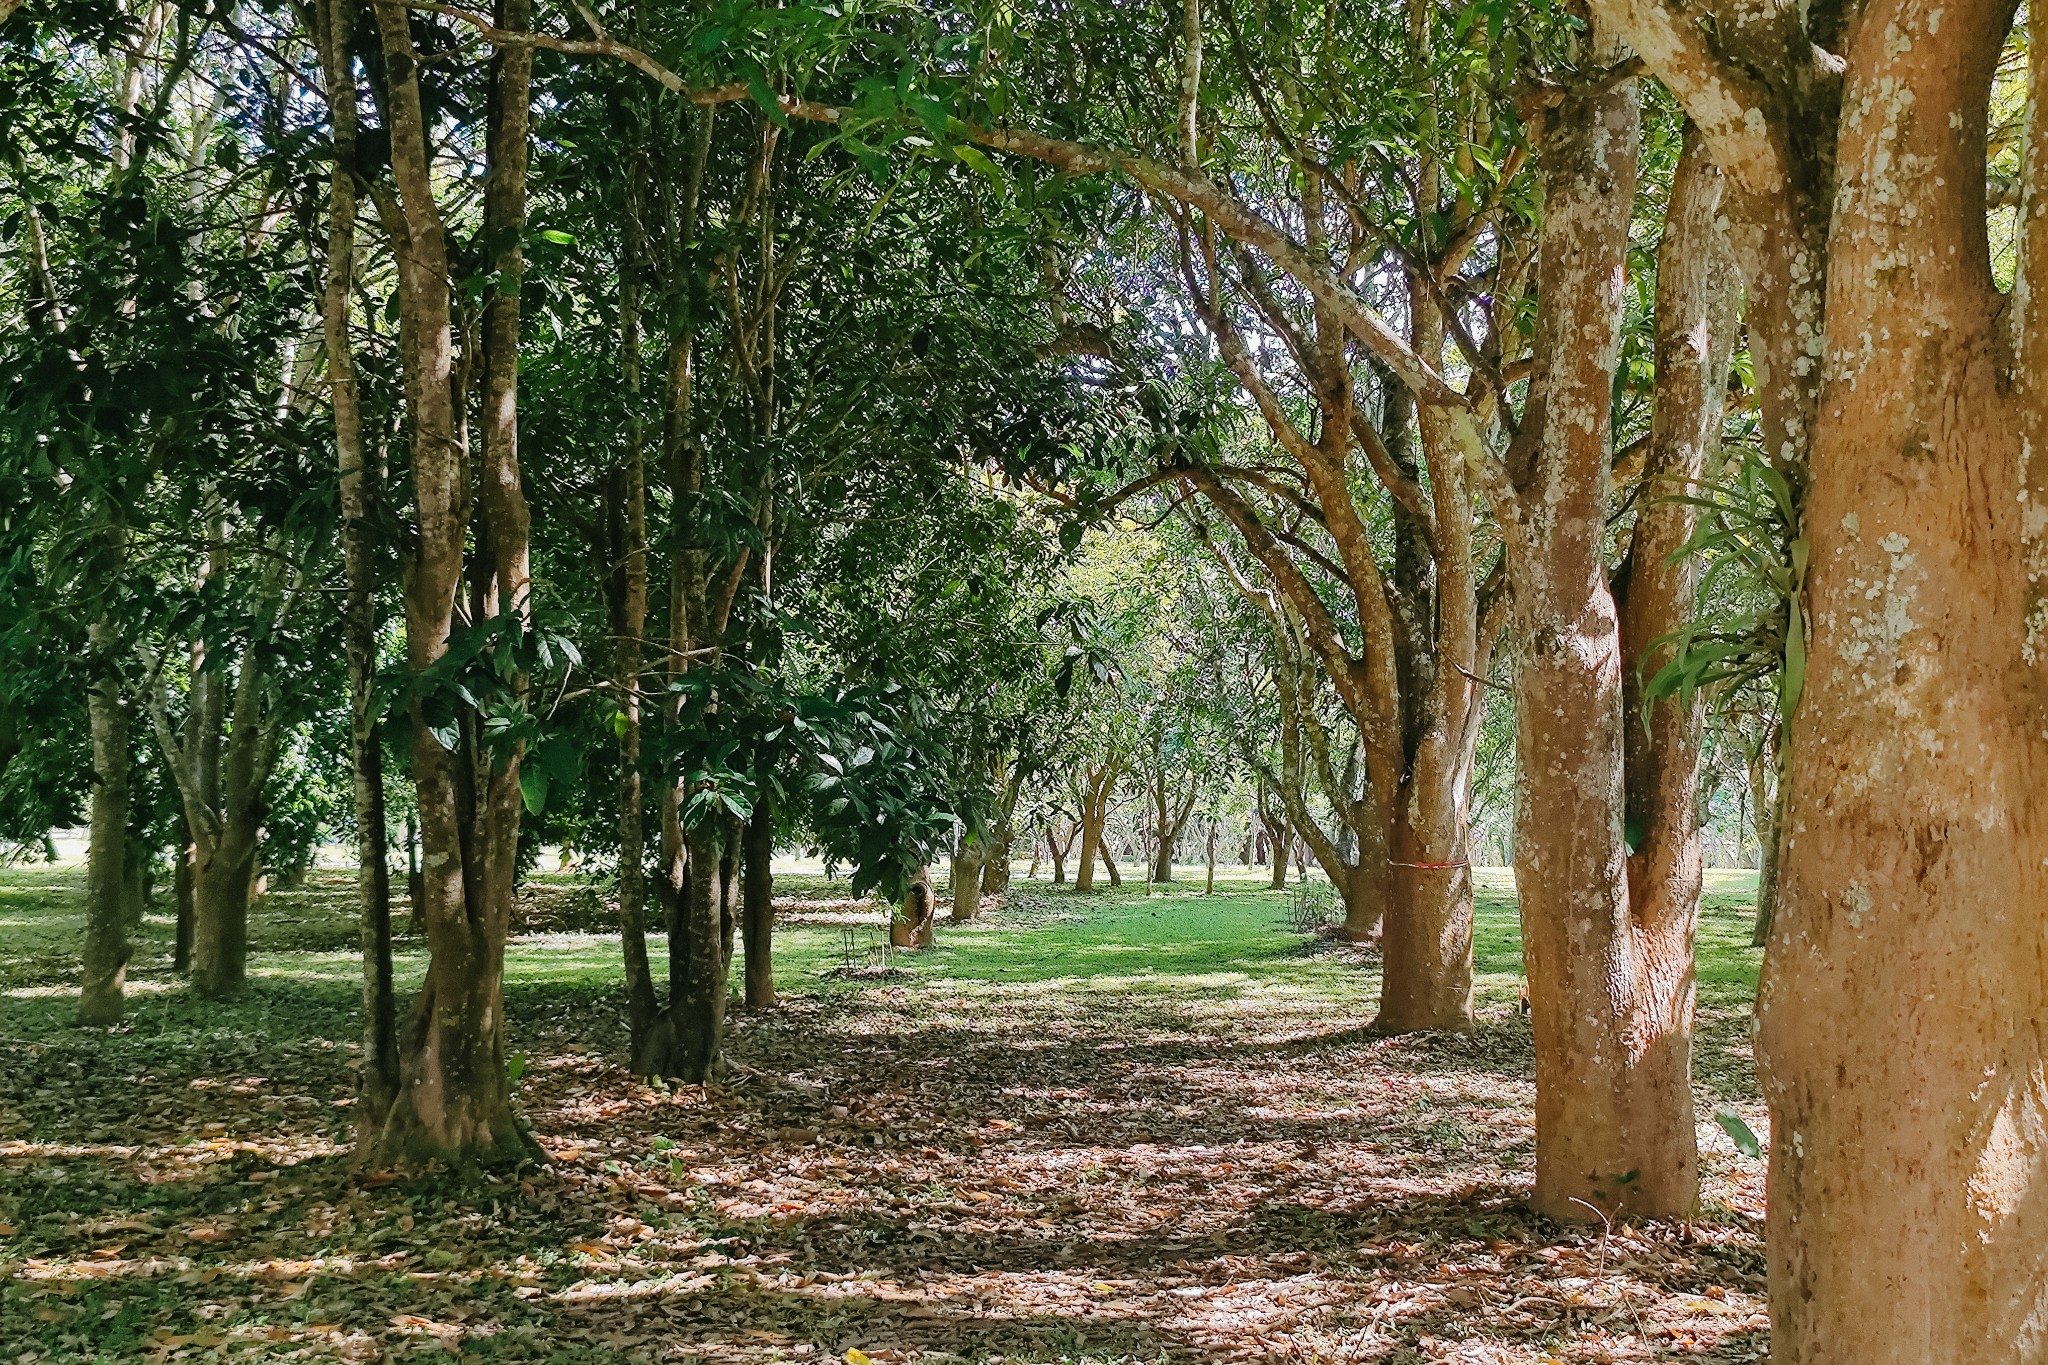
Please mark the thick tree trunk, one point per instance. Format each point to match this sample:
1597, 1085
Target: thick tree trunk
1058, 854
1900, 1018
697, 993
758, 921
1091, 841
1280, 842
912, 925
1426, 938
968, 860
106, 948
221, 888
1613, 1112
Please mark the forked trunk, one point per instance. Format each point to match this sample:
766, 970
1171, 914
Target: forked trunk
1695, 322
1091, 839
454, 1100
1613, 1096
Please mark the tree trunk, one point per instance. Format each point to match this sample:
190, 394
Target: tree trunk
912, 927
1900, 1017
1058, 854
1278, 835
759, 918
222, 884
454, 1101
1613, 1130
106, 948
1209, 879
966, 877
1091, 840
626, 598
1116, 875
1695, 332
1426, 937
186, 855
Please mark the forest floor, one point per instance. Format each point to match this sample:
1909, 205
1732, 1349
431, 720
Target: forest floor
1108, 1128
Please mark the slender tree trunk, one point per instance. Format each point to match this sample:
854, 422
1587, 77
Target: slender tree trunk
1116, 875
1209, 879
1278, 834
106, 935
626, 595
759, 916
186, 855
454, 1099
1058, 853
1612, 1094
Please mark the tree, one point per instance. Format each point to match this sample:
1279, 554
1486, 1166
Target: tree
1896, 1039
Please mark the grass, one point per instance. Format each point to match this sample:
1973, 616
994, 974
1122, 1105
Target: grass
1106, 1128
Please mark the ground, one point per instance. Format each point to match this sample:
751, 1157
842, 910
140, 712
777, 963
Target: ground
1108, 1128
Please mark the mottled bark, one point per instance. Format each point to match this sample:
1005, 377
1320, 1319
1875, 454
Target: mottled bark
1900, 1018
1613, 1112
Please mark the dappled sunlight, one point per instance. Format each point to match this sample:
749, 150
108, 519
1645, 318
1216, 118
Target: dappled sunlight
1021, 1150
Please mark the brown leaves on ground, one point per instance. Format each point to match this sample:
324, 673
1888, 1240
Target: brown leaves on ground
1027, 1172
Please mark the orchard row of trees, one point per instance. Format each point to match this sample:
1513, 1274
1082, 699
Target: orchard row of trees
676, 428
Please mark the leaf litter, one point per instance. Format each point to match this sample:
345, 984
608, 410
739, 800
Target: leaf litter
927, 1170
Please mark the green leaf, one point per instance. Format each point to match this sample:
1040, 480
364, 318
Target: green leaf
533, 788
978, 160
515, 1067
1740, 1133
758, 91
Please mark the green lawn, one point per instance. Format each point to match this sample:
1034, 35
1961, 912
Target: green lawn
1106, 1128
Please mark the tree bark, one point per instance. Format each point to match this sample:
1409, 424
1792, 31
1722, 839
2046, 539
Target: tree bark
106, 949
758, 922
626, 598
1695, 334
454, 1100
1613, 1130
1900, 1017
1096, 787
968, 860
912, 926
